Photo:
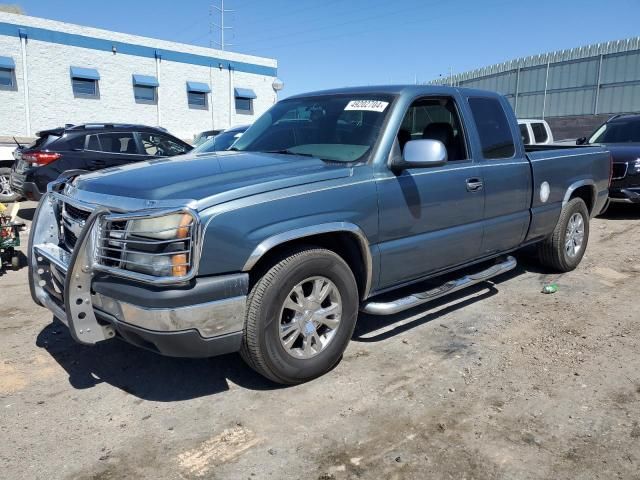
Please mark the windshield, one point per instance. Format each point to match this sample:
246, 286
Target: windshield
220, 142
620, 131
341, 128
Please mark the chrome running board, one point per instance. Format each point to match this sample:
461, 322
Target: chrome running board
415, 299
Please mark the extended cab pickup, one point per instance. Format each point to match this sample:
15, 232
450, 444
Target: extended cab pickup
331, 203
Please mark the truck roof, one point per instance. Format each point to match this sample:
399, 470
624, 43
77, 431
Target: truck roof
411, 90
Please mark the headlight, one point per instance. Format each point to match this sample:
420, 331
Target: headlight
160, 246
636, 165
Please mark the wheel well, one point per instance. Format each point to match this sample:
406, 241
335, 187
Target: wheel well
344, 244
584, 192
6, 163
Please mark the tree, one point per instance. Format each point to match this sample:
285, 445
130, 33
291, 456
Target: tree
11, 8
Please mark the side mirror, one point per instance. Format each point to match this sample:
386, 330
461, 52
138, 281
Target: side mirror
581, 141
421, 154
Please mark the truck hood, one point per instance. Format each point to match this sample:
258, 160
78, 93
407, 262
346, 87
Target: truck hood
227, 175
624, 152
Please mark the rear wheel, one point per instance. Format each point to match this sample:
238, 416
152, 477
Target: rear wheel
300, 316
6, 193
564, 249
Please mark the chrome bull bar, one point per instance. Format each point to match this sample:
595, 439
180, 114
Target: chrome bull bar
61, 281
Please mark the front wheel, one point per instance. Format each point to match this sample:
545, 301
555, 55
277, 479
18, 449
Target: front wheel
564, 249
300, 316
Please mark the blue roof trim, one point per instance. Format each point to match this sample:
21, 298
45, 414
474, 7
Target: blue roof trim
7, 62
145, 81
74, 40
244, 93
85, 73
198, 87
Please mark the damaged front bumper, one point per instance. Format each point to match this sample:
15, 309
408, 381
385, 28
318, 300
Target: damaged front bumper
203, 317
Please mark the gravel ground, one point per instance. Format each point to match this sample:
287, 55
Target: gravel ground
499, 382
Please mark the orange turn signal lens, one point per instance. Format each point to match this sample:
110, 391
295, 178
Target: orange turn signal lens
185, 226
179, 265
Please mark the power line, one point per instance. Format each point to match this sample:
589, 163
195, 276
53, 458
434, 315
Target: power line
393, 12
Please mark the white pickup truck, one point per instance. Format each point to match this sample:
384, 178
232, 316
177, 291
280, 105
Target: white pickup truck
6, 161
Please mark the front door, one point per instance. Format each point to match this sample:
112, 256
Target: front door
430, 218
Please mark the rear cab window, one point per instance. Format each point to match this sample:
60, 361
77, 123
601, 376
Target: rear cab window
493, 128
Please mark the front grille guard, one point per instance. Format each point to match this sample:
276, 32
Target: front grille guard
47, 259
76, 269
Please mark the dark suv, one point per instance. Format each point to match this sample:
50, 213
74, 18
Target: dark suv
87, 147
621, 135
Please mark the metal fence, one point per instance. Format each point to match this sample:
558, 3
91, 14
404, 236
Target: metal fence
596, 79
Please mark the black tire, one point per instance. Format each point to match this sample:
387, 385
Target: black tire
5, 175
552, 251
262, 348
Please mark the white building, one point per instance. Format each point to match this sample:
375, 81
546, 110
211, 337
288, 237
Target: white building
54, 73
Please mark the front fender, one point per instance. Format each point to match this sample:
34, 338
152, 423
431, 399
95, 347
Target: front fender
239, 233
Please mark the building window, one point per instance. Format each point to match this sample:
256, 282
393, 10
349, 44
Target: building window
244, 105
144, 94
197, 99
244, 100
6, 78
85, 88
84, 82
197, 94
145, 89
7, 73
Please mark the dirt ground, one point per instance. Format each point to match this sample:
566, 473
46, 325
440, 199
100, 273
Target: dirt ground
500, 382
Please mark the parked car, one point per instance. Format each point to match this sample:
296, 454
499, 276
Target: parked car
330, 203
204, 136
535, 131
222, 141
87, 147
621, 136
6, 161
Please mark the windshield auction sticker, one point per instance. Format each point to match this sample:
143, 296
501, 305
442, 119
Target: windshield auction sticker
367, 105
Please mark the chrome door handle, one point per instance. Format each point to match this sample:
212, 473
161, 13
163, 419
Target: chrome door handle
474, 184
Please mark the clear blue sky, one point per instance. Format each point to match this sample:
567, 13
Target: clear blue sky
330, 43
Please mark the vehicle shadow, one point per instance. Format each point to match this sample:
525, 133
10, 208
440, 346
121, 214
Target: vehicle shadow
622, 211
145, 374
392, 325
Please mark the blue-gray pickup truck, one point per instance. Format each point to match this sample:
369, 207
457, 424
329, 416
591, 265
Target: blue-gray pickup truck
331, 203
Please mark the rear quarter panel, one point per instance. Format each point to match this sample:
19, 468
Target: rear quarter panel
565, 170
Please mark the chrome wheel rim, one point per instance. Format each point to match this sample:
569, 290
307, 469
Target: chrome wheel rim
5, 186
574, 237
310, 317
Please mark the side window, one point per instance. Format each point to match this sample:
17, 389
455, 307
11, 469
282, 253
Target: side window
435, 118
160, 145
93, 143
118, 143
493, 128
539, 132
76, 143
524, 133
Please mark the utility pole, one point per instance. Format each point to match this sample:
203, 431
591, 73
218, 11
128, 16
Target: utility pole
222, 27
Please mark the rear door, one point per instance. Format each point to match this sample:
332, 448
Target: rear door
430, 218
506, 174
111, 149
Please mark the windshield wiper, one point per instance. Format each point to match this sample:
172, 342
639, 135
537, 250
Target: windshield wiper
286, 151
